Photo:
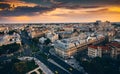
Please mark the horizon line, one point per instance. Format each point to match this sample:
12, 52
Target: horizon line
47, 22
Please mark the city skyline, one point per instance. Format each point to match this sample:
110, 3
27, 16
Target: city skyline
56, 11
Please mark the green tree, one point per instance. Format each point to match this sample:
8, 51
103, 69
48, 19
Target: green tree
10, 48
47, 41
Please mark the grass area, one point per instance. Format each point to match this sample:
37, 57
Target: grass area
25, 66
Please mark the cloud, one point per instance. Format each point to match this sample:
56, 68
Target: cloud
86, 4
25, 10
90, 2
114, 9
75, 4
9, 0
2, 0
98, 11
46, 3
68, 7
4, 6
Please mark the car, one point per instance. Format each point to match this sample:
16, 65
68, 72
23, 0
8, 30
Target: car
71, 57
66, 61
70, 69
56, 72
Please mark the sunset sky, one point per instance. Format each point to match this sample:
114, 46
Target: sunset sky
47, 11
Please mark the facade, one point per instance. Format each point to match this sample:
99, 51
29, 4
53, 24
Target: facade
68, 34
70, 46
42, 40
65, 34
111, 49
8, 39
63, 47
37, 31
116, 47
68, 28
52, 36
2, 28
94, 51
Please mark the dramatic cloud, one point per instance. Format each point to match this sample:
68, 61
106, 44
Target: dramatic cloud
75, 2
90, 2
30, 11
53, 10
48, 5
4, 6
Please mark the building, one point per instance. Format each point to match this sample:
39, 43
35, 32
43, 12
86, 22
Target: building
111, 49
42, 40
3, 28
37, 31
8, 39
63, 46
99, 51
68, 28
65, 34
70, 46
82, 29
116, 47
52, 36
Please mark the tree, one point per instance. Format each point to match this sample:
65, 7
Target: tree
11, 32
47, 41
101, 66
20, 67
1, 32
10, 48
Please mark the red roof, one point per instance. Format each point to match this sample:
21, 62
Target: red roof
102, 47
116, 44
106, 47
92, 46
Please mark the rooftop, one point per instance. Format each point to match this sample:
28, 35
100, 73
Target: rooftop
115, 44
102, 47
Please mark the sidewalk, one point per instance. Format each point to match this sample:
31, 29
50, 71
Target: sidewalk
43, 67
35, 70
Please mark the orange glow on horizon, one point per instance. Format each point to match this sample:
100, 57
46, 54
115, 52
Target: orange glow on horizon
114, 9
20, 18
